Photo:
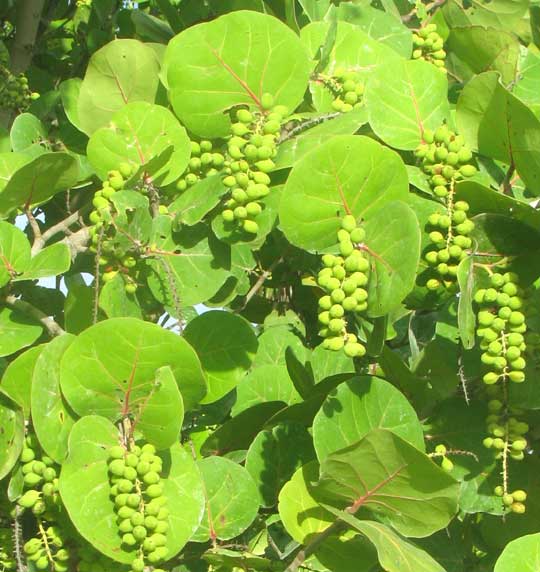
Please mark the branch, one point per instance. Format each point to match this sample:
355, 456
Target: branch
258, 285
310, 548
32, 312
26, 26
77, 241
33, 224
506, 185
62, 226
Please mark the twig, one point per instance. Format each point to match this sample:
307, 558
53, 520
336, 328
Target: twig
310, 548
33, 224
31, 311
95, 307
261, 280
305, 125
62, 226
506, 185
18, 541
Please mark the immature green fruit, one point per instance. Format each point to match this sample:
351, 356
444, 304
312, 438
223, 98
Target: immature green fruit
519, 495
250, 226
518, 508
29, 499
348, 223
267, 101
446, 464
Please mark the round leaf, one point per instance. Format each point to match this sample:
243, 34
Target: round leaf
111, 368
520, 554
327, 182
14, 252
16, 331
226, 345
231, 497
11, 435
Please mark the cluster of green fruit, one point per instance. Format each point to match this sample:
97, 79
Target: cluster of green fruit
343, 278
506, 431
112, 259
514, 501
346, 87
203, 163
501, 326
7, 561
428, 46
251, 148
48, 550
446, 159
137, 491
446, 463
14, 92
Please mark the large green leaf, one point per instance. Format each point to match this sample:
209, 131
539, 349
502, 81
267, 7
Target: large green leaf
14, 252
51, 261
136, 133
192, 266
466, 315
359, 405
16, 382
392, 480
500, 126
69, 92
116, 302
476, 49
38, 181
28, 135
111, 369
527, 86
85, 489
395, 553
226, 345
9, 164
352, 49
393, 237
403, 99
11, 435
522, 554
53, 418
230, 497
120, 72
328, 182
275, 455
16, 331
230, 61
273, 345
502, 14
267, 383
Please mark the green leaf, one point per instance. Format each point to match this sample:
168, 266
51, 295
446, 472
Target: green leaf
69, 92
301, 376
38, 181
500, 126
274, 343
111, 368
267, 383
11, 436
324, 184
161, 418
51, 261
16, 382
395, 553
393, 238
527, 86
380, 26
120, 72
27, 135
324, 363
136, 133
403, 99
476, 49
52, 418
522, 554
16, 331
85, 476
303, 517
502, 14
356, 407
231, 61
275, 455
14, 252
466, 315
231, 499
196, 272
79, 305
116, 302
9, 164
198, 200
238, 433
317, 130
226, 346
392, 480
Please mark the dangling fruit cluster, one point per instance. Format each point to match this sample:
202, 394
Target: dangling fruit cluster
446, 463
506, 431
514, 501
501, 326
251, 148
113, 260
428, 46
446, 159
346, 87
204, 163
137, 491
47, 550
344, 279
14, 92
